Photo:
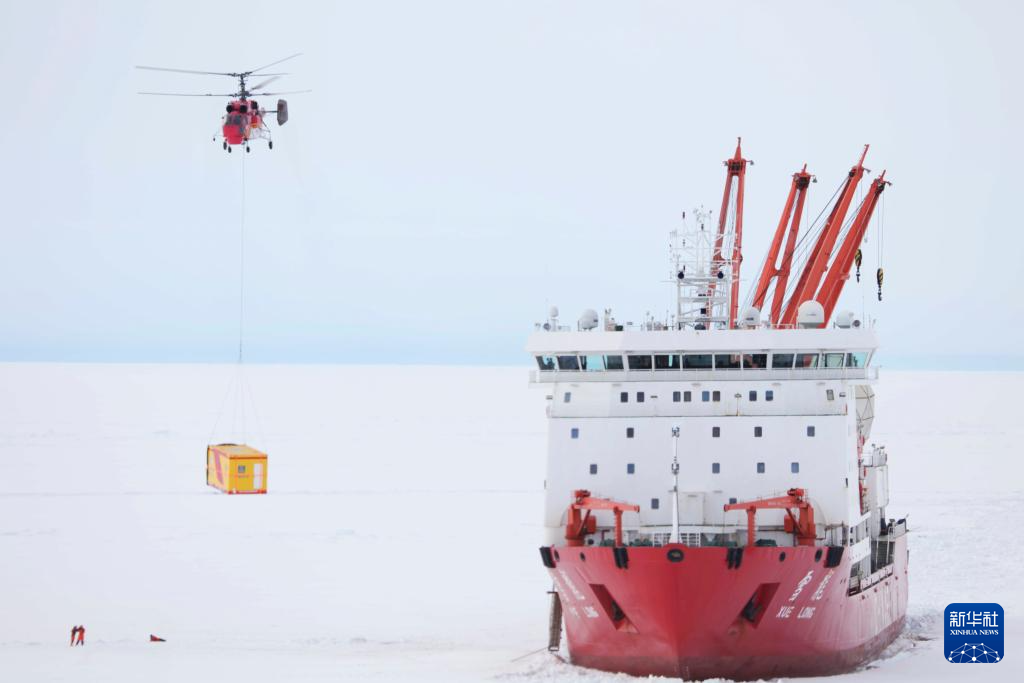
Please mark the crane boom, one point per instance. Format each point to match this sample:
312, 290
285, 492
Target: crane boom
736, 167
839, 273
816, 264
773, 268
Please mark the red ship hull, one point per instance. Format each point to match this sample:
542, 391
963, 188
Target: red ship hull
718, 612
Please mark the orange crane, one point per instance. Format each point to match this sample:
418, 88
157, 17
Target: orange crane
839, 272
579, 524
810, 278
773, 268
803, 526
735, 168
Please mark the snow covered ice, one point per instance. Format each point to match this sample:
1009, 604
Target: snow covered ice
399, 538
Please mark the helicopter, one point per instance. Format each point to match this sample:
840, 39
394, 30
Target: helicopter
245, 119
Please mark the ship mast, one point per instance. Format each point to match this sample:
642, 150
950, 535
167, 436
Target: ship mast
702, 291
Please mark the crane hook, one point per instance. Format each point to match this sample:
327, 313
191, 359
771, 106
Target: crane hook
880, 277
857, 259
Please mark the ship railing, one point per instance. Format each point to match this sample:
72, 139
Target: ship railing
748, 374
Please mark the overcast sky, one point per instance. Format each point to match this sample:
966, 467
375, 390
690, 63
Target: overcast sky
459, 167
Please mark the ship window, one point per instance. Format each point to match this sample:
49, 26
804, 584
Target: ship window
716, 432
687, 397
760, 468
716, 396
655, 503
666, 361
810, 430
716, 468
758, 432
755, 360
834, 360
630, 432
699, 361
623, 397
830, 394
794, 467
241, 469
806, 360
705, 396
769, 395
639, 362
546, 363
568, 363
630, 468
567, 397
782, 360
574, 433
727, 361
613, 362
592, 363
677, 396
639, 397
857, 359
732, 501
593, 468
752, 395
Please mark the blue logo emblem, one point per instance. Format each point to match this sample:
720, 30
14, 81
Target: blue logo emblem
974, 633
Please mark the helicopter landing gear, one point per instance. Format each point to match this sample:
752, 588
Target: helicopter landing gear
247, 150
270, 144
225, 144
229, 150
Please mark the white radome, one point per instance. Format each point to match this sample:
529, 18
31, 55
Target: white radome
810, 314
589, 319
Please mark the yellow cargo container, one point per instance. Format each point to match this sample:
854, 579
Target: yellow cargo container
236, 468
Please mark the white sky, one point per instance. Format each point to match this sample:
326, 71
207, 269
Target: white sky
460, 166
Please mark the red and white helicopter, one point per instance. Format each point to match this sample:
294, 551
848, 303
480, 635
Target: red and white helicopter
245, 119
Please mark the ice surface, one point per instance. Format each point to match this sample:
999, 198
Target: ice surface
399, 538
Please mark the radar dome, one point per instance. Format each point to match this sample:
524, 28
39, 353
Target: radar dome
810, 314
751, 317
847, 319
588, 320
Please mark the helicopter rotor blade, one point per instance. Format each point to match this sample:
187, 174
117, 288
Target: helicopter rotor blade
274, 94
186, 71
188, 94
265, 66
264, 83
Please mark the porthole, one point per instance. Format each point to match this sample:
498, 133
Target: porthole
583, 558
817, 555
782, 556
674, 555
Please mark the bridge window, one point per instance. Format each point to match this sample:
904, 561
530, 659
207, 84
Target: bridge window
546, 363
755, 360
769, 395
639, 362
834, 360
716, 468
732, 501
666, 361
716, 396
687, 397
613, 362
810, 430
623, 397
568, 363
630, 432
727, 361
655, 503
567, 397
758, 432
752, 396
830, 394
592, 363
630, 468
677, 396
705, 396
639, 397
857, 359
760, 468
574, 433
697, 361
593, 468
782, 360
716, 432
806, 360
794, 467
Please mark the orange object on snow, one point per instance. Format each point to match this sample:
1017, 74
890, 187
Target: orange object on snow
156, 639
